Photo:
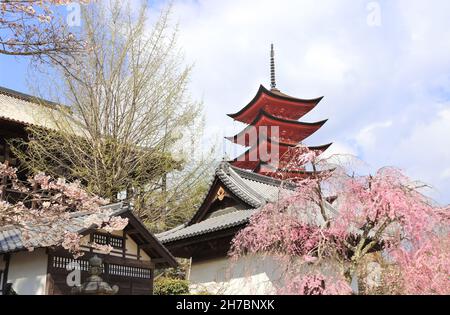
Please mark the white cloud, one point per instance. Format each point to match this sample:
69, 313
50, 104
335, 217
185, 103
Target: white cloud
339, 148
367, 137
386, 87
446, 173
323, 57
426, 152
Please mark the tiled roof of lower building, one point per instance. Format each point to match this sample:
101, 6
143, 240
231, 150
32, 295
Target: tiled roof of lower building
11, 237
25, 109
254, 189
214, 223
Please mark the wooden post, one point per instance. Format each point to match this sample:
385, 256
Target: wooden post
34, 202
4, 183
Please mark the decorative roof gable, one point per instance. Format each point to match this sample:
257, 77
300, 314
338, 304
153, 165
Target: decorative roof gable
254, 190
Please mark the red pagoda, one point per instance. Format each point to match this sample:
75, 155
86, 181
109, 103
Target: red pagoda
274, 132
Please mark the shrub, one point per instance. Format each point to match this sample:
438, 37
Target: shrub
169, 286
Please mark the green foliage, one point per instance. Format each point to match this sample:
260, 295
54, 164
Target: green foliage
177, 273
169, 286
202, 292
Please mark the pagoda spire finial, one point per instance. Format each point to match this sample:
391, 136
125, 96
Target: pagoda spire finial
273, 84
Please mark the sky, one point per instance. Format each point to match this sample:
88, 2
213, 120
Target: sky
383, 68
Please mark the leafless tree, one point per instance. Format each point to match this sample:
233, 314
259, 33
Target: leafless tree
128, 117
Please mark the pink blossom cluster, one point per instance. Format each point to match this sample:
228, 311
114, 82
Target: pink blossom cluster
425, 268
115, 224
384, 213
388, 198
72, 242
314, 284
279, 232
46, 205
29, 27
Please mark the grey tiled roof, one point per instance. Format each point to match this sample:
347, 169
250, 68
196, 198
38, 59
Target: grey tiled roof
11, 237
209, 225
253, 189
25, 97
24, 109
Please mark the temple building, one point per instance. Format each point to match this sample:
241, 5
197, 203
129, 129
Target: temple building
242, 186
48, 268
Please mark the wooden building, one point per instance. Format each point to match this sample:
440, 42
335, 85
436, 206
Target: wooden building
47, 269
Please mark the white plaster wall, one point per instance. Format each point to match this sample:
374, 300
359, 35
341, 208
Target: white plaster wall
28, 272
250, 275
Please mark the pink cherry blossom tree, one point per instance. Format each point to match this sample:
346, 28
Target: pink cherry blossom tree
46, 205
325, 248
31, 28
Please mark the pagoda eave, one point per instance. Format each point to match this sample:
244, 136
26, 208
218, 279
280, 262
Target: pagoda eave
322, 147
293, 176
267, 169
290, 131
276, 103
253, 157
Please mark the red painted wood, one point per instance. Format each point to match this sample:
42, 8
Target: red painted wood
277, 104
289, 131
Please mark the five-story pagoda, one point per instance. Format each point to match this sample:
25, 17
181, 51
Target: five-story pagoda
274, 132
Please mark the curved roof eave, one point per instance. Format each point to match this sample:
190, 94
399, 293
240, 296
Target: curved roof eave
263, 114
313, 148
249, 197
284, 144
263, 90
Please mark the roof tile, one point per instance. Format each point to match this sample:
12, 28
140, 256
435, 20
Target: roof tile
212, 224
11, 237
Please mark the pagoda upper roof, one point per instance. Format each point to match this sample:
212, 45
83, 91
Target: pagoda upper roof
275, 103
290, 131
